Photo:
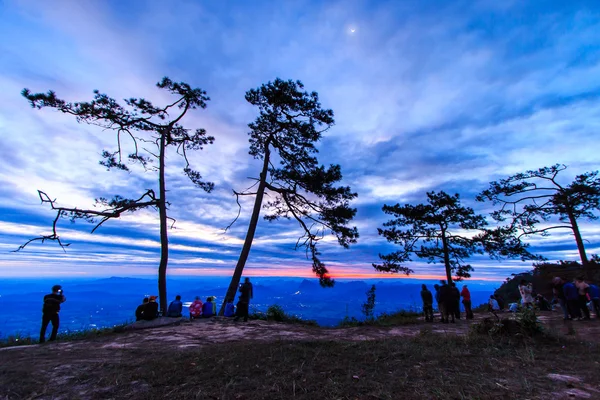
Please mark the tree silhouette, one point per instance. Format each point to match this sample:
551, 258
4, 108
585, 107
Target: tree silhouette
532, 198
141, 124
291, 121
444, 231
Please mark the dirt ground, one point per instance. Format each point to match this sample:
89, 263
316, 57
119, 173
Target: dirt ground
224, 330
278, 360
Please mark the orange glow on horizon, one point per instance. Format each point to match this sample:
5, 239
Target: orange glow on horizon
341, 273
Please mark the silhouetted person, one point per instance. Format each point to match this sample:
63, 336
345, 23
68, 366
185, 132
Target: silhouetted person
139, 311
175, 308
151, 309
243, 305
440, 306
447, 303
427, 298
582, 290
50, 312
559, 294
466, 295
456, 298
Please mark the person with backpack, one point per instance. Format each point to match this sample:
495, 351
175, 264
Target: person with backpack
50, 311
427, 298
466, 295
196, 308
175, 308
229, 309
446, 302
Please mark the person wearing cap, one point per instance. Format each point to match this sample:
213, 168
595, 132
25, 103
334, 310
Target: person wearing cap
151, 309
50, 312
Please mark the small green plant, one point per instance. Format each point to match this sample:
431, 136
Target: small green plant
369, 305
276, 313
529, 324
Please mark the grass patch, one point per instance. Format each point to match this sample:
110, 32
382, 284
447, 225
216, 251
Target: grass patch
425, 367
20, 340
398, 318
277, 313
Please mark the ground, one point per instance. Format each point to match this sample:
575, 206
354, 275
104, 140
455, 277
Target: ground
221, 359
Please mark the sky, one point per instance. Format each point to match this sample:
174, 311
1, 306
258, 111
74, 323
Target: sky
427, 96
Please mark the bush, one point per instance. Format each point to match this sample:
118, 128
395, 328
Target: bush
525, 324
276, 313
402, 317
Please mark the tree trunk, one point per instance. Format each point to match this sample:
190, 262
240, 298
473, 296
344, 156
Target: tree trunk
164, 239
446, 257
239, 268
578, 239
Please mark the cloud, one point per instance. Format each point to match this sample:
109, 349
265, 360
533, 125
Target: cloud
427, 96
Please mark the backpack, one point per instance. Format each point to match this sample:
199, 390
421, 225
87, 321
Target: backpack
229, 310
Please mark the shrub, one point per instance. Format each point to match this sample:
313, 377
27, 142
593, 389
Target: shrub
276, 313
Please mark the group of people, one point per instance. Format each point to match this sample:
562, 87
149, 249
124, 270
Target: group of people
448, 299
574, 297
148, 310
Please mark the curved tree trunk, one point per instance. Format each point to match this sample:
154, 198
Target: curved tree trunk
239, 268
446, 258
579, 241
164, 239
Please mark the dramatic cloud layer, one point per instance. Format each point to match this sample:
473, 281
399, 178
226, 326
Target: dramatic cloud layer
427, 96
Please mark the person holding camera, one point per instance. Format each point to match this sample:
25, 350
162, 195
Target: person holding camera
526, 291
50, 312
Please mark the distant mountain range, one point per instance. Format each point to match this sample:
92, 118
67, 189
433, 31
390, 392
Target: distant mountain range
109, 301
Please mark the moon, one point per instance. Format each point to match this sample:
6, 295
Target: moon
352, 30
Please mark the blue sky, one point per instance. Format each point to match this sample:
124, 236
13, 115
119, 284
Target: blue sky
426, 95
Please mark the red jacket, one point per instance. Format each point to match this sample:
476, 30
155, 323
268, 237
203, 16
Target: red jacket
466, 295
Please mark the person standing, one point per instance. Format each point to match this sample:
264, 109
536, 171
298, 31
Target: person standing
466, 295
572, 297
243, 305
456, 298
557, 288
427, 298
526, 290
582, 291
436, 287
50, 312
446, 302
595, 296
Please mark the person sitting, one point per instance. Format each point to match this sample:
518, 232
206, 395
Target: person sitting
493, 304
542, 303
196, 308
207, 308
229, 309
139, 311
151, 309
175, 308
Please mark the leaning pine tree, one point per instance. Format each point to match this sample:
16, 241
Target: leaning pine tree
283, 136
535, 202
138, 124
444, 231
